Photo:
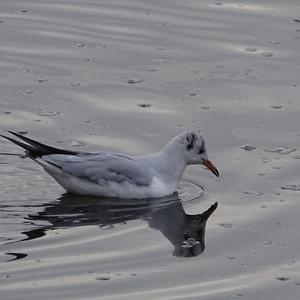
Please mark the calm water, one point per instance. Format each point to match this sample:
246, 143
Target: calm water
127, 76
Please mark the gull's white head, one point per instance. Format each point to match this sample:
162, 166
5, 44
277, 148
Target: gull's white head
192, 146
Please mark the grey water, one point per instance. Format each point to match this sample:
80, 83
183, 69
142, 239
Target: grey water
127, 76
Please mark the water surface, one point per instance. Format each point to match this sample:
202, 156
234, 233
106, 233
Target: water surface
127, 76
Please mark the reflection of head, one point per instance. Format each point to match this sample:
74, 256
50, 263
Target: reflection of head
193, 239
185, 232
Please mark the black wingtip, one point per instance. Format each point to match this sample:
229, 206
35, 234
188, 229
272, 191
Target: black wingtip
19, 143
36, 148
15, 133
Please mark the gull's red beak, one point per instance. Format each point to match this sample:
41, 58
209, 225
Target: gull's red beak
209, 165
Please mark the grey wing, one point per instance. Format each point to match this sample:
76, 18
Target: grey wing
102, 168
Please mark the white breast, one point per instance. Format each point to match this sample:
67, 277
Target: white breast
156, 189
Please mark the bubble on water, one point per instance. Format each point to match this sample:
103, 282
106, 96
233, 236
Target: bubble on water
268, 243
49, 113
252, 193
239, 294
25, 70
104, 46
276, 168
75, 84
76, 143
226, 225
133, 80
151, 69
162, 60
79, 44
291, 187
248, 147
103, 278
274, 42
291, 262
276, 106
281, 150
251, 49
41, 80
101, 125
283, 278
29, 92
265, 160
145, 105
267, 54
231, 257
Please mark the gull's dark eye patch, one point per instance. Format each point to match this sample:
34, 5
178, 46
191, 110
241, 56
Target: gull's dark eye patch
202, 149
190, 139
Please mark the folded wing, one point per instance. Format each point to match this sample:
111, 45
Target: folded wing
102, 168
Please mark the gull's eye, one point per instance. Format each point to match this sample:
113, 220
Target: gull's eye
190, 139
201, 150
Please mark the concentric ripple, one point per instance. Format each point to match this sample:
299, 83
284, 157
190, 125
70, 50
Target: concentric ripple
189, 191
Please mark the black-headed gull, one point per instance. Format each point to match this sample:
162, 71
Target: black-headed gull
118, 175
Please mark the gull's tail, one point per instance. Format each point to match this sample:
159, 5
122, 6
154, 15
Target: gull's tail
33, 148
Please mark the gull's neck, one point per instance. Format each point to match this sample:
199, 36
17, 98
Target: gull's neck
170, 163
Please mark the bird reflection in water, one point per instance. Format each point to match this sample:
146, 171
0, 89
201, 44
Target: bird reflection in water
185, 232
